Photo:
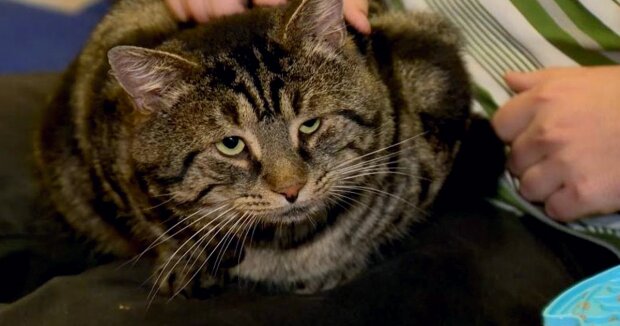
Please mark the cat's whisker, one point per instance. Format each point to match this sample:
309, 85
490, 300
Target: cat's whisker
198, 245
206, 260
170, 194
156, 242
336, 202
372, 166
385, 193
380, 164
163, 269
383, 160
159, 205
343, 196
255, 223
383, 172
230, 234
159, 239
251, 223
378, 150
311, 221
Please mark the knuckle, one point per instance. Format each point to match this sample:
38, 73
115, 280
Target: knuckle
556, 210
581, 192
549, 134
547, 92
561, 210
499, 126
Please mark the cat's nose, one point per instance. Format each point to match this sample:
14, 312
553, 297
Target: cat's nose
291, 192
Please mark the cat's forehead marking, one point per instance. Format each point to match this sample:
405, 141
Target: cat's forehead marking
245, 112
256, 72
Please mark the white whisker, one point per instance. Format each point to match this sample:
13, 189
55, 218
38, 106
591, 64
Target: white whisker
378, 150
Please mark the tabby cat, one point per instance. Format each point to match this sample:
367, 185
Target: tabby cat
275, 146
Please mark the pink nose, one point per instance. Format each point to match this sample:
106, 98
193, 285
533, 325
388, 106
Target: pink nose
291, 193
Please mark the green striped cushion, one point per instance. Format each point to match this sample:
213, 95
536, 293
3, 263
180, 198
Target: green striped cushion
527, 35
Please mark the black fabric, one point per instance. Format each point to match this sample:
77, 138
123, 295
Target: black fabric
470, 264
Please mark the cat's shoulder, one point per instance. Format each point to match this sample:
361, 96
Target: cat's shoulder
416, 27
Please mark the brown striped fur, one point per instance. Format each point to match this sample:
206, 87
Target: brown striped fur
127, 150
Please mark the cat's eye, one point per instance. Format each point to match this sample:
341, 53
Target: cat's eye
230, 146
310, 126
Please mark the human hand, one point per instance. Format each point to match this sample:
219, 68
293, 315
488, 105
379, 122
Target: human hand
355, 11
564, 132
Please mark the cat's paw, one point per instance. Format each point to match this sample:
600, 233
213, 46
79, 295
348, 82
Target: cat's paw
314, 286
174, 276
196, 273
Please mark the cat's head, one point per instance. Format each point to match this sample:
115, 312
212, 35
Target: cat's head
264, 115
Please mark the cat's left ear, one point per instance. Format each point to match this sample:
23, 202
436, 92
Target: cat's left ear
152, 78
316, 20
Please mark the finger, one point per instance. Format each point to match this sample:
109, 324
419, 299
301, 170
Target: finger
540, 181
526, 150
562, 206
199, 10
523, 81
269, 2
356, 14
224, 8
178, 9
514, 117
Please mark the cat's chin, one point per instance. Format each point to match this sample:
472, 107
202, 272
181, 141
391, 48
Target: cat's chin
293, 214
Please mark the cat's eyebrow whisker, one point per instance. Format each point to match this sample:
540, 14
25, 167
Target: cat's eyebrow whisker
379, 150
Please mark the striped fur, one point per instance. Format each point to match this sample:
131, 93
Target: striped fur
127, 149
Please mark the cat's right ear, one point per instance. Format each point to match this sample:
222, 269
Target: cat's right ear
152, 78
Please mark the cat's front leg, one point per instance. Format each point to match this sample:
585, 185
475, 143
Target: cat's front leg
326, 282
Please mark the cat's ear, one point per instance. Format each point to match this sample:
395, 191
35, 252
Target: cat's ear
317, 20
152, 78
